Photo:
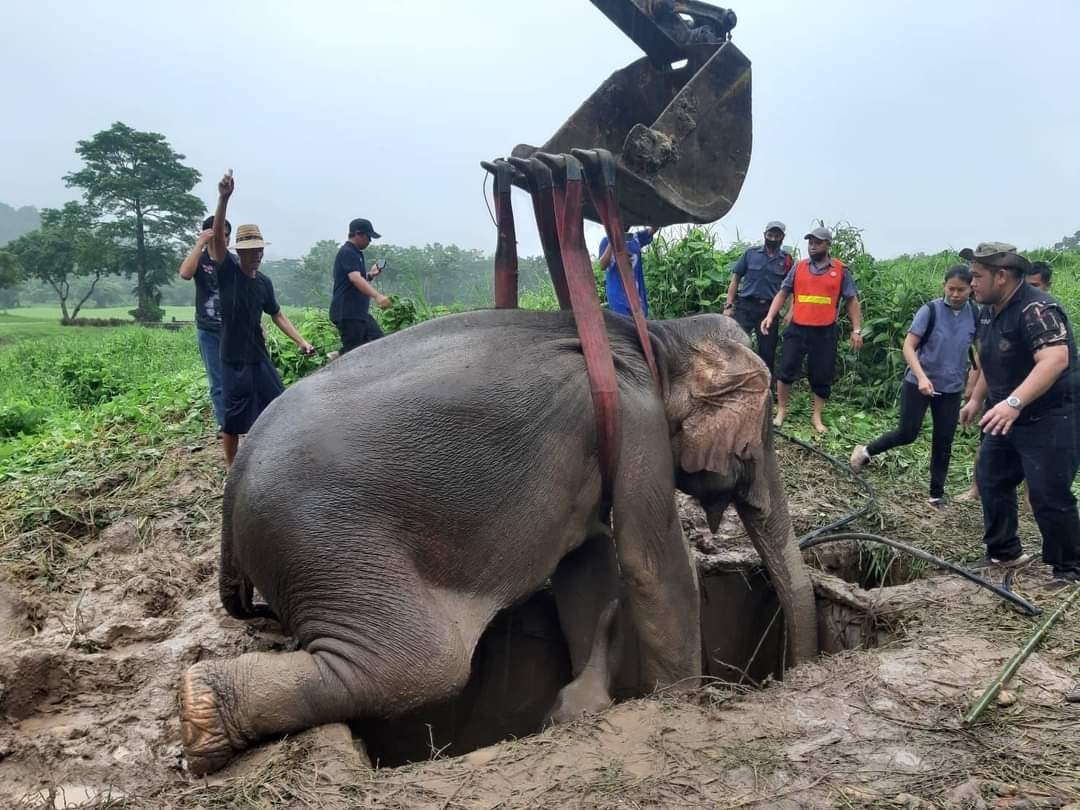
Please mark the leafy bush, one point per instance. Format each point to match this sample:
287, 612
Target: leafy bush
21, 418
400, 314
688, 275
316, 328
87, 380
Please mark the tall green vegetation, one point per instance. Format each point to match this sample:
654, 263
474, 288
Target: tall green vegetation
141, 191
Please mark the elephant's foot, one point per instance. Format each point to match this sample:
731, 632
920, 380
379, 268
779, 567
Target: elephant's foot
590, 691
207, 743
584, 695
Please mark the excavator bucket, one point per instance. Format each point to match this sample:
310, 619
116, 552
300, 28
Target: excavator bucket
677, 121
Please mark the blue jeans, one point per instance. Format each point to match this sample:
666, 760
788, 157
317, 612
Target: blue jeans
210, 349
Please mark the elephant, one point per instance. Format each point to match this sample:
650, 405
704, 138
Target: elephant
389, 505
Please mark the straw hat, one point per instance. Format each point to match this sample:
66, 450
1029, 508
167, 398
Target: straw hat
249, 237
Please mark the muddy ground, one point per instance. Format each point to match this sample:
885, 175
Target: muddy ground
108, 591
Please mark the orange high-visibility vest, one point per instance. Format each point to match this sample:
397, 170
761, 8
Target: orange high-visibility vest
817, 296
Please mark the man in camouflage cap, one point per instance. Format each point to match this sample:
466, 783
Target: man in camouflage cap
1028, 362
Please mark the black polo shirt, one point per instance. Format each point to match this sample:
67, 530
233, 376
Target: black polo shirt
243, 301
348, 302
1007, 342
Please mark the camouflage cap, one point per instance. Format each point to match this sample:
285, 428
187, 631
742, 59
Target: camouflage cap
824, 234
776, 224
996, 254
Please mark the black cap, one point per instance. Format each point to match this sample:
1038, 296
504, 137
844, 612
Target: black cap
362, 226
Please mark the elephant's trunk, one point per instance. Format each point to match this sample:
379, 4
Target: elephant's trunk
764, 512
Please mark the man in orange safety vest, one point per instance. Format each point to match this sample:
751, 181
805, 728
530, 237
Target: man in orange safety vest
817, 285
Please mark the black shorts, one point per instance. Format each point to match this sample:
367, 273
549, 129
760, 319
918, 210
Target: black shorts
358, 331
817, 344
247, 388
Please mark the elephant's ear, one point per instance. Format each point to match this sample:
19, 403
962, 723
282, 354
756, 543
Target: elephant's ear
729, 404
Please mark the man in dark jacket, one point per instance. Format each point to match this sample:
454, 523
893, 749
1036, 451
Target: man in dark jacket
756, 279
1027, 356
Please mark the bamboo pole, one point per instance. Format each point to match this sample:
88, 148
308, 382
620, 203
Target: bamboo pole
1014, 663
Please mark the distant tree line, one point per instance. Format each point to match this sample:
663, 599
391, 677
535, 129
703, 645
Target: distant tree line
124, 239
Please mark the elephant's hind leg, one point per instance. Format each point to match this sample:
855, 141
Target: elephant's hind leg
586, 585
226, 705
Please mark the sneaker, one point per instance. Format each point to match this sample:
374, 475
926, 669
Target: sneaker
859, 457
937, 503
990, 562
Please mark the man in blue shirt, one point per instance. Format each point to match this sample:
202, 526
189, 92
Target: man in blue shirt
351, 302
616, 295
756, 278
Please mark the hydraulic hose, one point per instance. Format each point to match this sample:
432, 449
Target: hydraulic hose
828, 533
1019, 601
871, 495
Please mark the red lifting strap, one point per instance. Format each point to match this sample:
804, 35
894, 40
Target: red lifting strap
538, 177
506, 260
599, 365
599, 165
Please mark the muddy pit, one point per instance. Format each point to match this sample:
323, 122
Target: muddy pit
89, 673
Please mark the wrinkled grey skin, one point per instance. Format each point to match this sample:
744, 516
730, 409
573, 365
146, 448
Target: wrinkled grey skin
388, 506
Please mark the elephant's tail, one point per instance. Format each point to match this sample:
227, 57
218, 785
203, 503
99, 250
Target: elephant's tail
234, 588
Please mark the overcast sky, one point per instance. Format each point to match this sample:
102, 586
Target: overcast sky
928, 124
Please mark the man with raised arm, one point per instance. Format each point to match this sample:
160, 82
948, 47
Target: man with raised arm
249, 380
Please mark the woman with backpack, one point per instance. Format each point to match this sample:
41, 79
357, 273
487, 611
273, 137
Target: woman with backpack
936, 348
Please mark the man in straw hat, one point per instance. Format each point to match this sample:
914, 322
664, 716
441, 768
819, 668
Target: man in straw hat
1028, 363
249, 380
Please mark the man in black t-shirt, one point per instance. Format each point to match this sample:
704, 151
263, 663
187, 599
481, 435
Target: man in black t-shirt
199, 266
351, 304
1028, 363
249, 380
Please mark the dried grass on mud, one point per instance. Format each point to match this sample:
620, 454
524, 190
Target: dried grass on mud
110, 592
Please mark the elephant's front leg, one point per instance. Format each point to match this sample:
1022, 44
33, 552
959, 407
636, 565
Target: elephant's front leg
661, 585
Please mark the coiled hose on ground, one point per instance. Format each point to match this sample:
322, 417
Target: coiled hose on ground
829, 534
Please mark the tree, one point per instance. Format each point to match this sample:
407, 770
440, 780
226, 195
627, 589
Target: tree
1069, 242
136, 180
14, 222
10, 277
69, 245
9, 270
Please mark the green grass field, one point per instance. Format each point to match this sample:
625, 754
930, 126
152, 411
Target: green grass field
43, 321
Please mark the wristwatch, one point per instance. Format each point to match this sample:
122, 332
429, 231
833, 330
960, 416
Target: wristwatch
1013, 401
856, 331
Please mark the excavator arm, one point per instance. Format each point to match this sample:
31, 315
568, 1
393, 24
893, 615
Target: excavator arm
677, 121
